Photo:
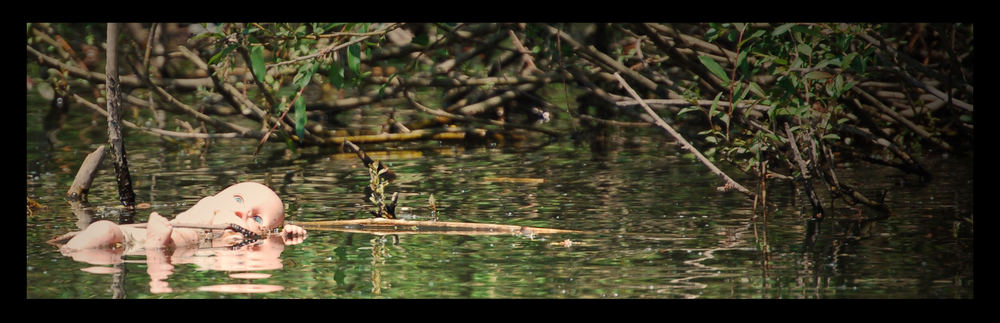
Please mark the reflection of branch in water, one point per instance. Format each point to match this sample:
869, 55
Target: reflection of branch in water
702, 270
379, 253
118, 282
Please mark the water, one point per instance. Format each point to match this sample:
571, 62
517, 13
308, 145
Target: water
658, 226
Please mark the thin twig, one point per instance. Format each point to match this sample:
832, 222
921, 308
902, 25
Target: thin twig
884, 46
287, 108
335, 47
155, 131
246, 132
124, 80
605, 60
895, 116
529, 62
149, 45
806, 174
412, 99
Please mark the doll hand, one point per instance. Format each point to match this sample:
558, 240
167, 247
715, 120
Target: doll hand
293, 234
158, 231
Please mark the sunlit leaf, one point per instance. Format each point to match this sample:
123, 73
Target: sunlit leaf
713, 67
688, 109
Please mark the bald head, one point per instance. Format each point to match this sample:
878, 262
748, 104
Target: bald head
253, 203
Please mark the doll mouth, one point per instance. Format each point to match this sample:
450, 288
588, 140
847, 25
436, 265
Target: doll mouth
247, 234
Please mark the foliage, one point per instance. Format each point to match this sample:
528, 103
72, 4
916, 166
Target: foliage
750, 91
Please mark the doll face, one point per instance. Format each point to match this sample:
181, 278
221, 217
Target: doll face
251, 205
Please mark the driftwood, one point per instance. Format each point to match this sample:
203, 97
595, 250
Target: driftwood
383, 226
85, 175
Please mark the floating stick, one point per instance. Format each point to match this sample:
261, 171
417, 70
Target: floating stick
397, 226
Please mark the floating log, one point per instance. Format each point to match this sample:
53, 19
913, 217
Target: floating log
383, 226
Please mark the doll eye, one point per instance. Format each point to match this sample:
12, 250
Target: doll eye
258, 219
239, 199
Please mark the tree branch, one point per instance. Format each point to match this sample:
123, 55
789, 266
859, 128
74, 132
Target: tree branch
730, 183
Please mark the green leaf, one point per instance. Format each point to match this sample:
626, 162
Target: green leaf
354, 58
756, 34
304, 75
336, 75
804, 49
756, 89
742, 94
688, 109
711, 34
257, 62
222, 53
782, 29
825, 62
715, 103
300, 117
847, 86
714, 67
203, 35
846, 61
421, 39
381, 88
741, 59
817, 75
741, 27
831, 136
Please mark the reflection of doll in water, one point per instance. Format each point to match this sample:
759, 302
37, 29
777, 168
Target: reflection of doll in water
252, 206
259, 255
